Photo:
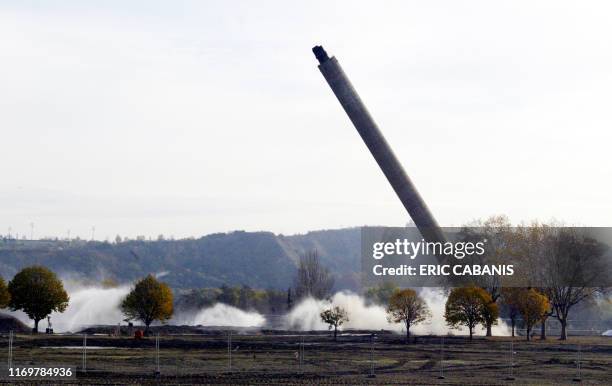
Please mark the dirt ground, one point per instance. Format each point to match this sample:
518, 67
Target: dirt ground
355, 358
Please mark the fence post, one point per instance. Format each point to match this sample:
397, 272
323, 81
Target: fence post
372, 375
84, 359
10, 349
157, 369
229, 350
441, 376
511, 376
302, 354
578, 377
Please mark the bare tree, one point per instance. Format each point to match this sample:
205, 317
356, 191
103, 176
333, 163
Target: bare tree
568, 265
511, 297
335, 317
497, 230
312, 278
533, 243
574, 264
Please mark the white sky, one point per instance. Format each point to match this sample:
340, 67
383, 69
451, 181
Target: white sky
186, 118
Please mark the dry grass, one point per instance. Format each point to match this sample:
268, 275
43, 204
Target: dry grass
271, 359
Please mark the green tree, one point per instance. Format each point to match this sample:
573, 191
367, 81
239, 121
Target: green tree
334, 317
196, 299
532, 306
5, 296
468, 306
38, 292
229, 295
406, 306
149, 300
247, 298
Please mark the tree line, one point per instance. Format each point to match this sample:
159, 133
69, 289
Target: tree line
562, 265
38, 292
265, 301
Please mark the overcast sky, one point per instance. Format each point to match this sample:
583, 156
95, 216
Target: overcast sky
186, 118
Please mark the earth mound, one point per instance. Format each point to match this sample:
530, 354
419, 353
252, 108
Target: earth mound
8, 323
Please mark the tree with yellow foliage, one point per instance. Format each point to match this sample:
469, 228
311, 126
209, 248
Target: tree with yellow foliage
406, 306
532, 305
469, 306
148, 301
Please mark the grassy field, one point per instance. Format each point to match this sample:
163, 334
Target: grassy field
273, 359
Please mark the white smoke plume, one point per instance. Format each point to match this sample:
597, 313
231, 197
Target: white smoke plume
161, 274
88, 306
222, 315
91, 306
95, 305
305, 315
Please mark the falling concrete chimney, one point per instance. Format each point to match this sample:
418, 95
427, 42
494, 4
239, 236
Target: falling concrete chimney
378, 146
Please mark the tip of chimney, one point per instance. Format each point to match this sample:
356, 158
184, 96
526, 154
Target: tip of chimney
320, 54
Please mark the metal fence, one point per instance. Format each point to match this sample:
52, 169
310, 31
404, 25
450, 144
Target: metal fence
365, 355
